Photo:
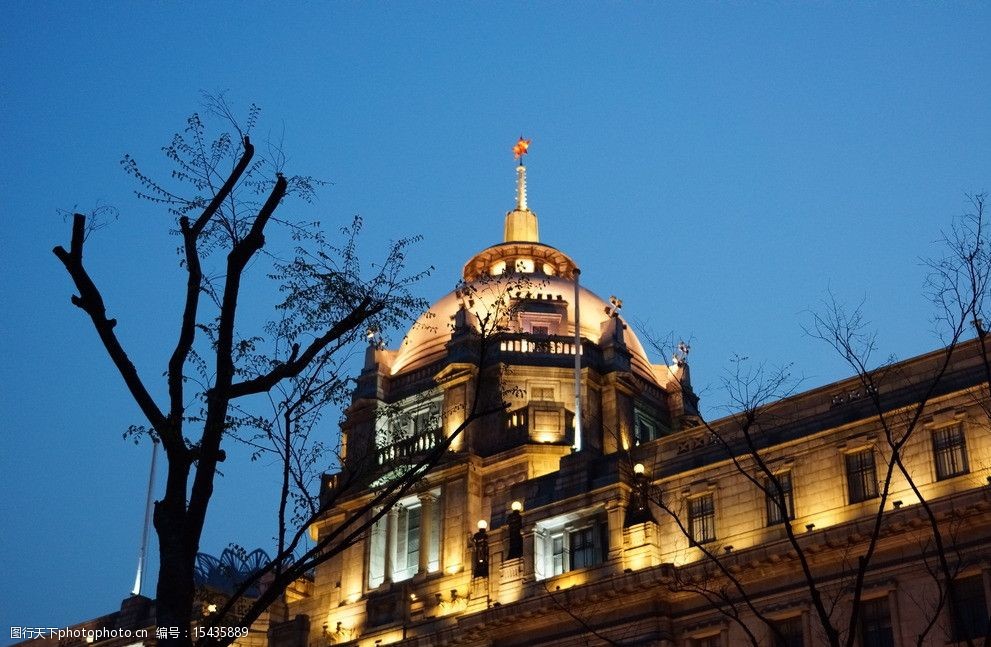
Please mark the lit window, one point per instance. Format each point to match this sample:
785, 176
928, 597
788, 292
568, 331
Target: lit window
950, 452
407, 543
861, 477
542, 393
773, 500
517, 421
540, 324
561, 545
709, 641
403, 542
558, 562
702, 519
426, 419
970, 614
408, 429
875, 624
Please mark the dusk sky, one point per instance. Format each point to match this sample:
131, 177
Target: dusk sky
720, 167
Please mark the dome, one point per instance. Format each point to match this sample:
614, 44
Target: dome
426, 340
538, 278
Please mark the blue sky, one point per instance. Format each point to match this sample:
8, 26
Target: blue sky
720, 167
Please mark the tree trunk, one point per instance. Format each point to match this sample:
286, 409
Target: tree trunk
175, 590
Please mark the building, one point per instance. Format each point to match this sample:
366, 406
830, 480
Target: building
633, 522
611, 513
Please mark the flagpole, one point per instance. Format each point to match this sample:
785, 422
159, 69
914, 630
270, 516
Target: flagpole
577, 445
140, 576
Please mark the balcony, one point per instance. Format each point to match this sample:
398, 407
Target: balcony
553, 347
410, 446
539, 422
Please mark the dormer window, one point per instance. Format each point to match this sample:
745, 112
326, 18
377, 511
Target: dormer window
540, 323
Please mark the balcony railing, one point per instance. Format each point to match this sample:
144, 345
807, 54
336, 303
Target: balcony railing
552, 345
410, 446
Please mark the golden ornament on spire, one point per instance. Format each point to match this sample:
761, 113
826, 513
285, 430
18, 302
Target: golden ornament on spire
520, 149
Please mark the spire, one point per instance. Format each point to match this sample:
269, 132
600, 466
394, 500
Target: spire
521, 223
521, 188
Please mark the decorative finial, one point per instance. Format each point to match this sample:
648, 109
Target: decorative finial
521, 223
612, 310
520, 149
374, 337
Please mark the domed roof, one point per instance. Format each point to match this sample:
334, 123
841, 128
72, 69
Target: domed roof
426, 340
536, 275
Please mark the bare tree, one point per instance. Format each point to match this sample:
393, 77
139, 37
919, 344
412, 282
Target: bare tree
487, 306
328, 299
958, 285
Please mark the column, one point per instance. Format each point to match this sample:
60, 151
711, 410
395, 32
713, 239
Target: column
427, 538
390, 542
615, 511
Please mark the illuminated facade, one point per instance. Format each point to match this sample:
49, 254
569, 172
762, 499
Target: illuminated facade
542, 527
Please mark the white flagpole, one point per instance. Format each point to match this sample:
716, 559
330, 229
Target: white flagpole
139, 578
577, 446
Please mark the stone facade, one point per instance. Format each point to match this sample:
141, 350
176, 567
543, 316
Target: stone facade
629, 521
635, 538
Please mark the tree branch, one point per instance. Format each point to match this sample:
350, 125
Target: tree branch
90, 300
194, 281
296, 362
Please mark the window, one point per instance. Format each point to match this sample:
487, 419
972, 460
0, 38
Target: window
540, 324
583, 549
518, 421
645, 427
875, 624
561, 545
789, 633
774, 515
407, 543
426, 420
397, 540
970, 613
557, 553
524, 265
542, 393
949, 452
709, 641
861, 476
408, 427
702, 519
